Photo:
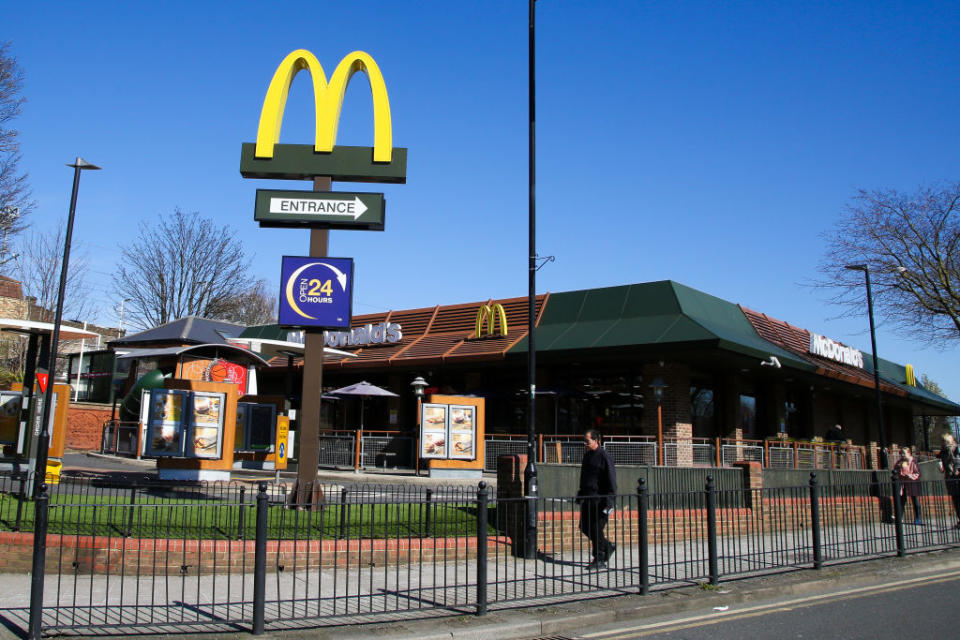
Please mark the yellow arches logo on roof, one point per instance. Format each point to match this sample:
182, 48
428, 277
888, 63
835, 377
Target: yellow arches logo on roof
328, 100
911, 377
489, 315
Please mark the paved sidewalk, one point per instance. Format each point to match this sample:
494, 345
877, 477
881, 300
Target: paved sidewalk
559, 619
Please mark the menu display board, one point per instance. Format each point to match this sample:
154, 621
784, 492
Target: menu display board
185, 423
448, 432
206, 424
10, 403
165, 427
462, 432
433, 431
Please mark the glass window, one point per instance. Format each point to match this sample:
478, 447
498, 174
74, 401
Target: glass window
747, 415
701, 411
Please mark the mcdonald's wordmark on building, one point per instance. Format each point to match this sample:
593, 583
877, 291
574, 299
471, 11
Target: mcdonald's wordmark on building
319, 210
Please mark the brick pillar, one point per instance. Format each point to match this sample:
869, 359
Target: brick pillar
677, 422
511, 510
873, 455
752, 482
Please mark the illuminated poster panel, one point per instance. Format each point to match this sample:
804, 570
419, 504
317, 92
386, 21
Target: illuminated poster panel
433, 431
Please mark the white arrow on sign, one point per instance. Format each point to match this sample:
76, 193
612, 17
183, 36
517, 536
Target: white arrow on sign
319, 206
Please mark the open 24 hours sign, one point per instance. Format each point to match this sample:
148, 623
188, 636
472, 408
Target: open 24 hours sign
316, 292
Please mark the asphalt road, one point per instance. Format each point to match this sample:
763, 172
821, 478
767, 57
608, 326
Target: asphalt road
911, 609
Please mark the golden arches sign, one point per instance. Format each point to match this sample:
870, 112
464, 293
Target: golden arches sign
489, 315
911, 376
328, 100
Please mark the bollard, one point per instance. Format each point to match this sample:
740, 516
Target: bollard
482, 549
898, 514
41, 504
815, 521
712, 531
643, 498
260, 562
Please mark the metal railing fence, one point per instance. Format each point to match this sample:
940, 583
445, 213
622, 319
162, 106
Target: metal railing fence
257, 557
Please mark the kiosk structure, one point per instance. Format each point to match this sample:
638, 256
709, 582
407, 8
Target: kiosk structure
21, 406
200, 431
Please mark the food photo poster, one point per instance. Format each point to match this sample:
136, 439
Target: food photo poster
433, 431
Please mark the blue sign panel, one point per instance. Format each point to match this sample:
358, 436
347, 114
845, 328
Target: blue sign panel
316, 292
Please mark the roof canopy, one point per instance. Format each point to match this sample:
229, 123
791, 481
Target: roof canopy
28, 326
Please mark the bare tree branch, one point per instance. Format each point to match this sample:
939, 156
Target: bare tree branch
38, 269
182, 266
14, 189
911, 243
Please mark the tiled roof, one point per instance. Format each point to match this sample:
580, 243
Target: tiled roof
797, 341
444, 333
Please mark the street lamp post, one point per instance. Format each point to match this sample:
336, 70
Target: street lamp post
530, 473
8, 216
658, 386
120, 328
43, 439
419, 384
882, 436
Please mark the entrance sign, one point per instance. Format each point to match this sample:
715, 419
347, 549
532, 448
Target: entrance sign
316, 292
319, 210
42, 380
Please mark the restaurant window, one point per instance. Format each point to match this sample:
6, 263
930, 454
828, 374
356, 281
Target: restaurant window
747, 415
701, 411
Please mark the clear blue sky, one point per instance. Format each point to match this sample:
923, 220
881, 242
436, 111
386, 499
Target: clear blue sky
708, 143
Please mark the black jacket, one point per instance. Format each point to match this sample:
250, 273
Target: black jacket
598, 477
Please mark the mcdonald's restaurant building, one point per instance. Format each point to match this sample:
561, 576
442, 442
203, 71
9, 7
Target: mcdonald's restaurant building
728, 371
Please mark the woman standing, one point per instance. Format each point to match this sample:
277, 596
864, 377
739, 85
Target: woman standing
909, 474
949, 457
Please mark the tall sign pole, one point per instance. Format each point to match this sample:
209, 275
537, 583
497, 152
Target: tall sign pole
308, 421
530, 474
317, 294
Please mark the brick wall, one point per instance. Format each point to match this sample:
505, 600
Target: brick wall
85, 426
101, 554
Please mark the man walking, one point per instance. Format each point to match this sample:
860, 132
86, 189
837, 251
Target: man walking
598, 486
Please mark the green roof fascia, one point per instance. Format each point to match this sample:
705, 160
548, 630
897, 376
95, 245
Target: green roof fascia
265, 332
728, 323
648, 313
896, 374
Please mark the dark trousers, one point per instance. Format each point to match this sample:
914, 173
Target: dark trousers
593, 520
953, 488
915, 500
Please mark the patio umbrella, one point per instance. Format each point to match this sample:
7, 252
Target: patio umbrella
364, 390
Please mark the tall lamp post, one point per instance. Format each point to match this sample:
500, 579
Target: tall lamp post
120, 328
530, 473
418, 384
882, 436
658, 386
43, 440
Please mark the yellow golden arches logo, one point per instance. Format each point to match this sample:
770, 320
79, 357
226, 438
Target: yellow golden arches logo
911, 377
328, 100
490, 315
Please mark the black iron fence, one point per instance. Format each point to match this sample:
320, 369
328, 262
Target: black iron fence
257, 556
